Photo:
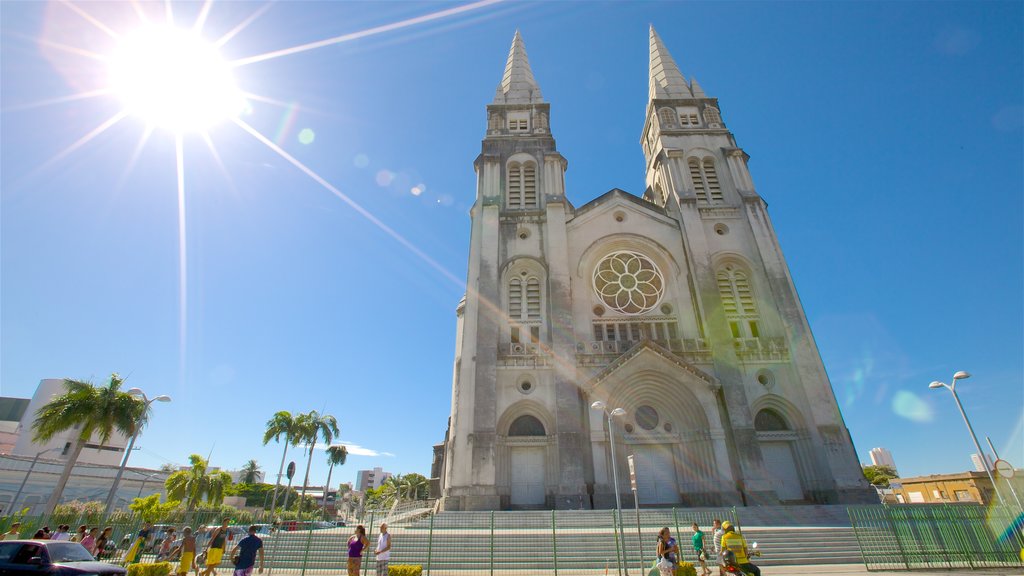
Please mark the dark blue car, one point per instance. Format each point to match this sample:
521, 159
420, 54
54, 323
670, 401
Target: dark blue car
51, 558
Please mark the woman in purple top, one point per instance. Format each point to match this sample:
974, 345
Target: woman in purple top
356, 543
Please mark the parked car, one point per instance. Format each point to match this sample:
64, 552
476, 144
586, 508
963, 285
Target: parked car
53, 558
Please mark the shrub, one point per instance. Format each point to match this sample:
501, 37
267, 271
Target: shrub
158, 569
405, 570
684, 569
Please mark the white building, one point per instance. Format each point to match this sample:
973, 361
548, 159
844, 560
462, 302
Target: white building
676, 306
882, 457
60, 445
367, 479
980, 465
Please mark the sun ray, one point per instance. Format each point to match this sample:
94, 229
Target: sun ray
82, 141
60, 100
364, 33
71, 49
203, 14
220, 163
88, 17
146, 133
168, 13
137, 6
243, 25
565, 364
266, 99
179, 152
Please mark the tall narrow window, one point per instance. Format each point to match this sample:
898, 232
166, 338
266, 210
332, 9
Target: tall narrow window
515, 299
667, 117
738, 302
515, 185
529, 185
533, 299
705, 180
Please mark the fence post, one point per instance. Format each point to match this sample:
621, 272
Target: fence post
430, 542
619, 550
896, 534
554, 542
366, 553
309, 541
492, 544
679, 535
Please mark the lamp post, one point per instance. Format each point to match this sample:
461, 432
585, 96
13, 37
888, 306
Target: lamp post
962, 375
25, 479
599, 405
131, 444
145, 478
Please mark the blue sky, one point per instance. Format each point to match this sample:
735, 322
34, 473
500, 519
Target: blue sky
886, 138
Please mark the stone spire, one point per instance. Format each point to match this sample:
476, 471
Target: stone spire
666, 79
517, 85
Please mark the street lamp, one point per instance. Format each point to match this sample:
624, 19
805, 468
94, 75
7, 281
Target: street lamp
131, 443
962, 375
600, 406
25, 479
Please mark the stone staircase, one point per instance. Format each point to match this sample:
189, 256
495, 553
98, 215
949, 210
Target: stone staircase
582, 542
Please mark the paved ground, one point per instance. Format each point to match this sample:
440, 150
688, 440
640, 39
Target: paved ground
859, 569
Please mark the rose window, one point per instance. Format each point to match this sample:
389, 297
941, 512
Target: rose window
628, 282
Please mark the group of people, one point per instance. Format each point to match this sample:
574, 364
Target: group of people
187, 549
95, 541
728, 544
358, 542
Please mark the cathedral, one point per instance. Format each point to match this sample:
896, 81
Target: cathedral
659, 333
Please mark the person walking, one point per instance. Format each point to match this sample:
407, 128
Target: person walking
356, 543
245, 552
89, 540
668, 552
102, 542
716, 536
13, 534
62, 533
383, 551
215, 551
80, 535
698, 547
187, 549
135, 551
166, 545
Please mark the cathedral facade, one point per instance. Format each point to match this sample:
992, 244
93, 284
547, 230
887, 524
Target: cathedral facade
668, 323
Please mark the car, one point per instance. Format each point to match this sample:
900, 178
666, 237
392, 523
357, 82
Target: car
53, 558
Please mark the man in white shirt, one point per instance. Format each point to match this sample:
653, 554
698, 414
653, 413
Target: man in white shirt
383, 550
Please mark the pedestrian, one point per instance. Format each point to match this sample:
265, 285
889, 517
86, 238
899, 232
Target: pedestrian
166, 545
89, 540
698, 547
245, 552
81, 534
187, 549
134, 554
716, 536
13, 534
383, 551
668, 552
46, 533
734, 542
215, 551
356, 543
39, 535
62, 533
103, 542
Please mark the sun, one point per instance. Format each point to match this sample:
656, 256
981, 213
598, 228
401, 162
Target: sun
173, 79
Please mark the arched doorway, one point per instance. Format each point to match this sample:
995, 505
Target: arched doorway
526, 462
776, 449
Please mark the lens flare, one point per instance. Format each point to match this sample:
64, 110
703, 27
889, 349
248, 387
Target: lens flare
173, 79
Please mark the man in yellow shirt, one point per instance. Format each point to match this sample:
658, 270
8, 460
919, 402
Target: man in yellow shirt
734, 542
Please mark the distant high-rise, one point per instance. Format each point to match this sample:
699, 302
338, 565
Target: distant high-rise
366, 479
981, 465
882, 457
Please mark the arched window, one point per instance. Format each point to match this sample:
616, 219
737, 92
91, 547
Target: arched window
526, 425
738, 301
525, 308
515, 298
533, 299
522, 185
769, 420
705, 180
667, 116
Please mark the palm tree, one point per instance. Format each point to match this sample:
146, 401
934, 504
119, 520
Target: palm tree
336, 456
313, 426
282, 424
415, 486
250, 472
194, 485
95, 411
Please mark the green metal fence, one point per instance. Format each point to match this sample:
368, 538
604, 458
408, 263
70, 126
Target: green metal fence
915, 536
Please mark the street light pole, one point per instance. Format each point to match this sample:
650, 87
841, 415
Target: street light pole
962, 375
131, 445
600, 405
25, 479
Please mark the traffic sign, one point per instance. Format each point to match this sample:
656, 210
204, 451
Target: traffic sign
1004, 469
632, 472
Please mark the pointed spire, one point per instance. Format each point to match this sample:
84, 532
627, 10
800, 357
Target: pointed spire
698, 92
517, 85
666, 79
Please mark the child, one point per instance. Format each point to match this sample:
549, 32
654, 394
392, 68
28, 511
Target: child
187, 549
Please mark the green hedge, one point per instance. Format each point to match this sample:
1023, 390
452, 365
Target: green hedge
158, 569
405, 570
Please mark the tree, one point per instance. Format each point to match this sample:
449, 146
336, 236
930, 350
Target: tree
415, 486
313, 426
282, 424
96, 412
194, 485
250, 472
336, 456
879, 475
151, 509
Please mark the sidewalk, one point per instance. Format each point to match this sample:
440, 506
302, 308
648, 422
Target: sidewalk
859, 569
